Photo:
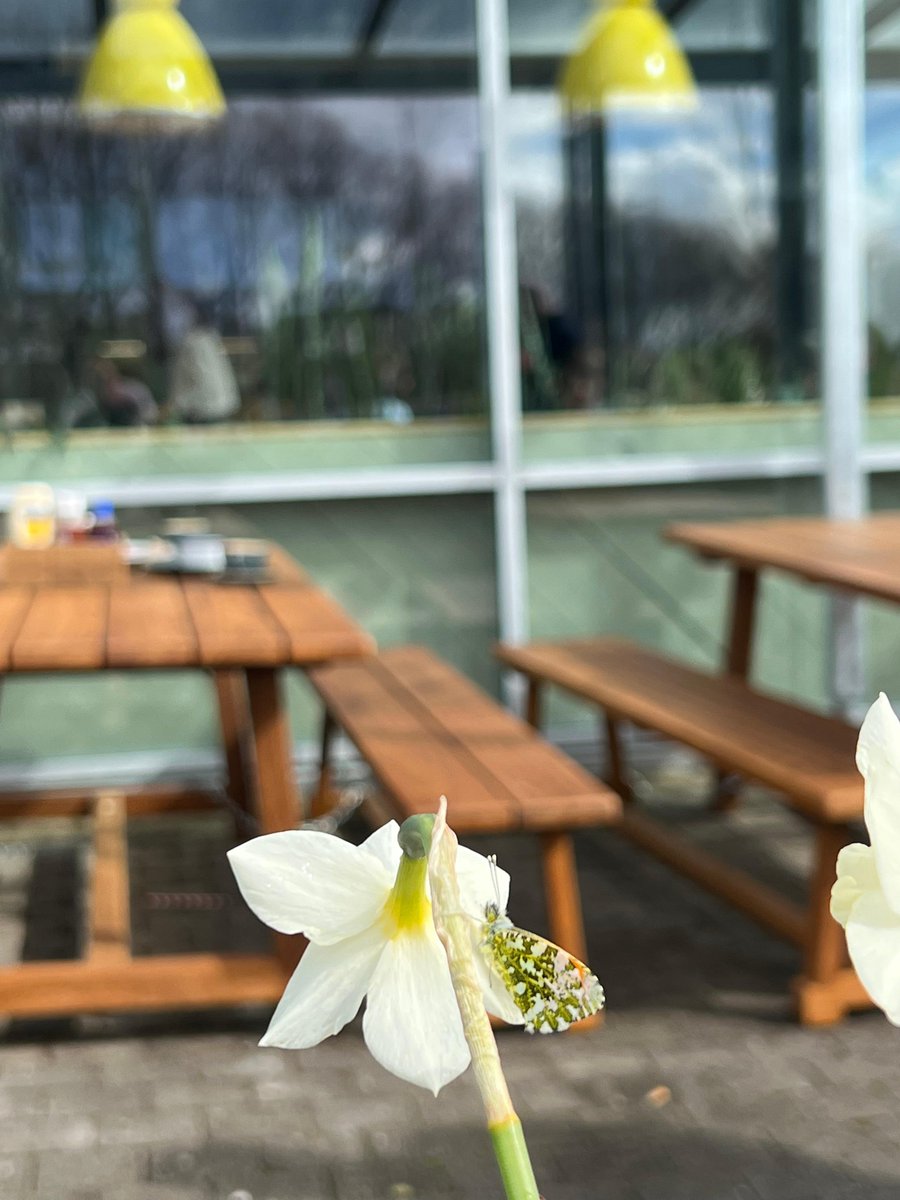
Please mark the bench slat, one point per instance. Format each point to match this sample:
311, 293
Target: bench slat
426, 730
807, 756
416, 772
447, 698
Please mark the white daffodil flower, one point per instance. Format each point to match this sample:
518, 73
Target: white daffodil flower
367, 914
866, 896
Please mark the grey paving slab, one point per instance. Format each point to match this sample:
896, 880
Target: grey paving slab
698, 1087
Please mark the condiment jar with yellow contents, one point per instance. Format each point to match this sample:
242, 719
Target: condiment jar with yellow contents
32, 517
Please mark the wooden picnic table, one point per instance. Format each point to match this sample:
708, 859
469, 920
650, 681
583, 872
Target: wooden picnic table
244, 636
862, 557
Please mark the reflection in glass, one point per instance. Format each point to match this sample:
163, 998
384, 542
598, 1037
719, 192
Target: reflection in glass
330, 250
647, 253
883, 233
38, 26
236, 25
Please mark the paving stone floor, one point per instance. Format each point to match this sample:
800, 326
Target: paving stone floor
699, 1087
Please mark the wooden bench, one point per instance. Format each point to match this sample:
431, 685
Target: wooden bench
806, 758
425, 731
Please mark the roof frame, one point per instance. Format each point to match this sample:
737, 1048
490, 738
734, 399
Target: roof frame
673, 9
372, 25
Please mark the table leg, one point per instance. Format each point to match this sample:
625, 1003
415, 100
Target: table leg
738, 661
743, 617
234, 721
325, 798
277, 796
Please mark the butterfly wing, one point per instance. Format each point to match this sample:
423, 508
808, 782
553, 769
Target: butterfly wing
550, 987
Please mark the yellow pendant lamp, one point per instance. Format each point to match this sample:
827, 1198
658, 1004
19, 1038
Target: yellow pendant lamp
628, 57
149, 69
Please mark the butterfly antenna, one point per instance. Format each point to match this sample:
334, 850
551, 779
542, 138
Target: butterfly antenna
495, 880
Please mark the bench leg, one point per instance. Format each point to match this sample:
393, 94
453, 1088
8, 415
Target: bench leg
726, 793
824, 992
323, 799
533, 704
615, 760
564, 901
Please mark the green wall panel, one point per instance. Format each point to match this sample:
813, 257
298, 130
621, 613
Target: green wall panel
598, 564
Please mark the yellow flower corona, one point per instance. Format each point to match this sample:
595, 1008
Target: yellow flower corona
408, 907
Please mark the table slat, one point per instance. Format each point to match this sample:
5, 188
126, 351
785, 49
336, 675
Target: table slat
315, 625
150, 626
284, 569
14, 602
234, 626
63, 630
858, 556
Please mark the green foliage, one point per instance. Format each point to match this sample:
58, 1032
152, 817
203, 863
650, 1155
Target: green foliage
343, 362
884, 365
728, 372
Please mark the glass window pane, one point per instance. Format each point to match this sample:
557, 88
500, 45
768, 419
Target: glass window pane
882, 183
310, 258
724, 25
414, 26
549, 29
38, 26
667, 260
598, 565
235, 26
883, 26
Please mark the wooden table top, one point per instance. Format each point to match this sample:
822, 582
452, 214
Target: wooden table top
154, 621
857, 556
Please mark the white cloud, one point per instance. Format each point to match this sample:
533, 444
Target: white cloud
689, 181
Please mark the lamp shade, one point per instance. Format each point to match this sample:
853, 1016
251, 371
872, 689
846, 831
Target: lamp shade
627, 58
149, 66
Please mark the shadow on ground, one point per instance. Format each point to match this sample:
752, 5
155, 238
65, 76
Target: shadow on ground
572, 1162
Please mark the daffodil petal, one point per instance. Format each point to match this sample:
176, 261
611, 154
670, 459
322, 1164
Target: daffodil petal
497, 999
412, 1024
325, 991
476, 883
383, 845
873, 939
304, 881
856, 875
878, 758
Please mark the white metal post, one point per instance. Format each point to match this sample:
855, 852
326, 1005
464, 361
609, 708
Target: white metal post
842, 82
502, 302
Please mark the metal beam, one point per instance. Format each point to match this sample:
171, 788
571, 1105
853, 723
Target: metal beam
372, 25
502, 306
292, 72
673, 9
786, 23
842, 82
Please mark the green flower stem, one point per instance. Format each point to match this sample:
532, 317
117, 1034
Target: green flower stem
454, 930
513, 1161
